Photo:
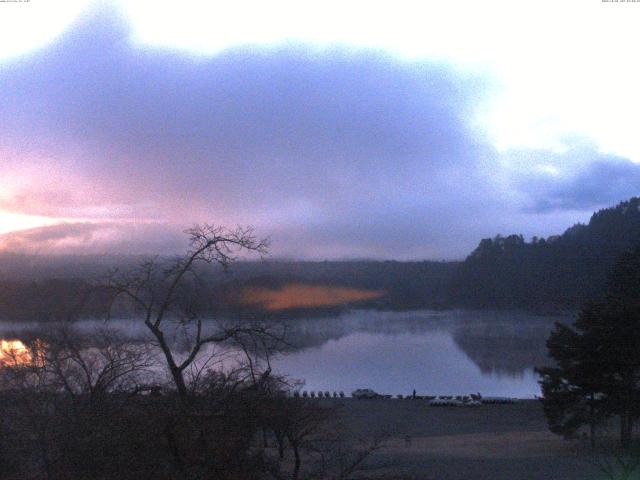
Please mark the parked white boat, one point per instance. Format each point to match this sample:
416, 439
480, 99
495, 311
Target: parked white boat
498, 400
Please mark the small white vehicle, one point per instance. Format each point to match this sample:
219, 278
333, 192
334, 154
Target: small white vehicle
364, 393
469, 401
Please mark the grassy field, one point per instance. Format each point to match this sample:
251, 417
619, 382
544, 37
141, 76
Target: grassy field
508, 442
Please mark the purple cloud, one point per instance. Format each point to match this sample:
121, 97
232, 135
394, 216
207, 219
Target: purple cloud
332, 153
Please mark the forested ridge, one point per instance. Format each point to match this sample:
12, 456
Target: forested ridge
543, 274
557, 272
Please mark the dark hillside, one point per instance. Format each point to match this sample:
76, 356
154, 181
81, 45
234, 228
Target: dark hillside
557, 272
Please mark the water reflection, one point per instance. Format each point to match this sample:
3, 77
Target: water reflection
396, 364
15, 352
451, 352
433, 352
505, 350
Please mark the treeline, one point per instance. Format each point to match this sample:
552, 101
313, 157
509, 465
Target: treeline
544, 274
200, 405
406, 285
51, 300
52, 293
559, 272
597, 363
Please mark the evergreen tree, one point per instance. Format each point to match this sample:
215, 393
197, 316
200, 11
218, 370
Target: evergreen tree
572, 390
597, 372
559, 272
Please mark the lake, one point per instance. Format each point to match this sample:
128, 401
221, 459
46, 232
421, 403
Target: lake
435, 353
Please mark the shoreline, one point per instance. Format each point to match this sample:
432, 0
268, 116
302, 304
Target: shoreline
487, 442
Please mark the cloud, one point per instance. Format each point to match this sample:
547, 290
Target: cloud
94, 238
45, 239
579, 179
293, 140
68, 203
332, 152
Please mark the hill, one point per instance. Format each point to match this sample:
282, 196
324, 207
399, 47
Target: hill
557, 272
545, 274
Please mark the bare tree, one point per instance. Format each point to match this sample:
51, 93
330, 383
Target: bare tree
26, 388
161, 292
59, 386
94, 365
344, 458
301, 423
319, 444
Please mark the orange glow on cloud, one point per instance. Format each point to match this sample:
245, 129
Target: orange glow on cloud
305, 296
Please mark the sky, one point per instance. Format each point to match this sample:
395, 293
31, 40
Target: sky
353, 129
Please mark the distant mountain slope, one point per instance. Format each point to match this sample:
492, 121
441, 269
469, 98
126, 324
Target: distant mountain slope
557, 272
41, 288
405, 285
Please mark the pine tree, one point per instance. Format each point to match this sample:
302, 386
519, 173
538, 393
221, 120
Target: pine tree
597, 372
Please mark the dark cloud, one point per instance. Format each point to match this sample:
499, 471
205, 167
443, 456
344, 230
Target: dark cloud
285, 117
584, 179
293, 140
333, 153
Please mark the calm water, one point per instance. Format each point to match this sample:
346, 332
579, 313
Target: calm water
436, 353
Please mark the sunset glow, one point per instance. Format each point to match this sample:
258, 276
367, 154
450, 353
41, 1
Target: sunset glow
11, 222
14, 352
236, 236
337, 130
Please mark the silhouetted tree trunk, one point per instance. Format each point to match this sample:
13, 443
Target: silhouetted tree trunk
154, 289
297, 461
592, 421
280, 441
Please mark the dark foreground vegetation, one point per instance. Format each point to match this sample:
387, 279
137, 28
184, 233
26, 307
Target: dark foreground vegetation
595, 382
203, 404
80, 408
597, 372
552, 274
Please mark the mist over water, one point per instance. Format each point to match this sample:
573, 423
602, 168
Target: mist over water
435, 353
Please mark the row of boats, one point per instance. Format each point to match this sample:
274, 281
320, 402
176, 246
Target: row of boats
467, 401
438, 401
472, 400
